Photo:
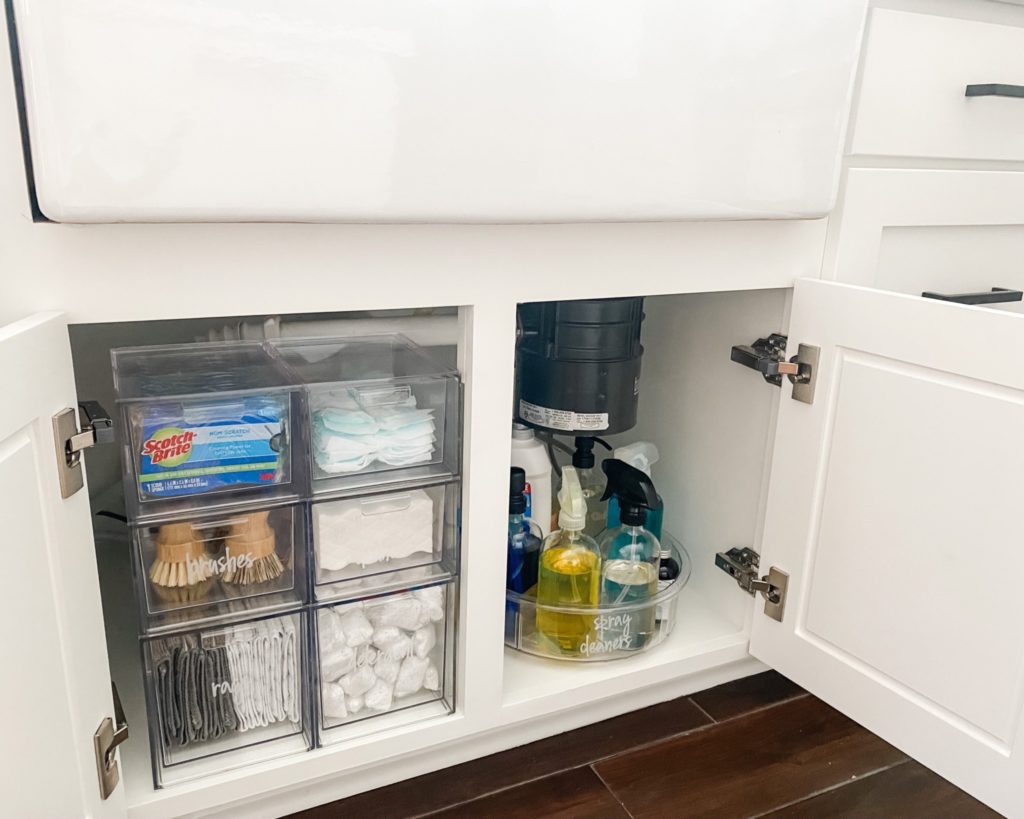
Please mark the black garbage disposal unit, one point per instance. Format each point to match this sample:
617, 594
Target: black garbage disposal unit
578, 365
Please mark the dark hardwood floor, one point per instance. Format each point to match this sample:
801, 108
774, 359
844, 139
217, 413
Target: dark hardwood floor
755, 747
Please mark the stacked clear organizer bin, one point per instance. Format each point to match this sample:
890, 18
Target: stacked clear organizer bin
213, 490
252, 557
384, 449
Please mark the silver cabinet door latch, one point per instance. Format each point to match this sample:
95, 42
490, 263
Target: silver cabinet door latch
69, 441
742, 564
110, 734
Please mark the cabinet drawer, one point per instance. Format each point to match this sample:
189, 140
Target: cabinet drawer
380, 411
204, 426
376, 543
912, 98
213, 568
224, 697
385, 661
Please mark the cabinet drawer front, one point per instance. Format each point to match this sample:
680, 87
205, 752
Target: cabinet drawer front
916, 71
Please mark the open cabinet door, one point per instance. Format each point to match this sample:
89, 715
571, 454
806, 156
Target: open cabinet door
55, 682
894, 506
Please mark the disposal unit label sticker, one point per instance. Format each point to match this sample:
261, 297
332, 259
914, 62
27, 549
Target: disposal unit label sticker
566, 420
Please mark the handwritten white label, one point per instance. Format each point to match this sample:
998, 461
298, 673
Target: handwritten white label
208, 566
616, 634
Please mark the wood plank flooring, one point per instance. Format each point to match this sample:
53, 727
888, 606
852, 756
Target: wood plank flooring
755, 747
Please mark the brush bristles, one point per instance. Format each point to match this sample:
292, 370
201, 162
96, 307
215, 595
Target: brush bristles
183, 594
179, 575
261, 570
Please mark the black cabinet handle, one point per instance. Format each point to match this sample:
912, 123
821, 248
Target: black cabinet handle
994, 89
996, 295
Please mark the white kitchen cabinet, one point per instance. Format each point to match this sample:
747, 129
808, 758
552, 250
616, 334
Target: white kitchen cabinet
871, 510
880, 501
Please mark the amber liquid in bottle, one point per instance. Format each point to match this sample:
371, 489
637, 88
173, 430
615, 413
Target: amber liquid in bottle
570, 575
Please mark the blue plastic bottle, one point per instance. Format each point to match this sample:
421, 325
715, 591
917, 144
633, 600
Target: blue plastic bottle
524, 542
524, 538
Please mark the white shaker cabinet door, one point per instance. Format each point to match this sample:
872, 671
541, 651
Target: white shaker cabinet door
462, 110
55, 684
894, 506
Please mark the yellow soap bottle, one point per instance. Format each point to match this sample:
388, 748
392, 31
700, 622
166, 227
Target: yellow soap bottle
570, 573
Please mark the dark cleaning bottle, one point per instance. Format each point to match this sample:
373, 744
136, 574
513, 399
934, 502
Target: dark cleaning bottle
631, 557
524, 537
668, 573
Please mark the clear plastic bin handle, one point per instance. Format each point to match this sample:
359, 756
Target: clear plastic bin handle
386, 396
383, 506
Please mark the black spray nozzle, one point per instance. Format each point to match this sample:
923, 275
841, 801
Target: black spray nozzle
516, 490
583, 457
634, 489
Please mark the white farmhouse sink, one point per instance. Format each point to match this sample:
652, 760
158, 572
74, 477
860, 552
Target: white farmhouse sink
436, 110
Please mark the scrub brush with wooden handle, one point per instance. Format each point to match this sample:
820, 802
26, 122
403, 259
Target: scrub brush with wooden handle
251, 554
181, 570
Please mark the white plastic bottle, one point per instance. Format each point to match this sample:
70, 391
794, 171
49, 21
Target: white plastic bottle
530, 455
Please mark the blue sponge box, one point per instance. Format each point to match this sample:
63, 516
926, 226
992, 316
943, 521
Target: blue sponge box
234, 447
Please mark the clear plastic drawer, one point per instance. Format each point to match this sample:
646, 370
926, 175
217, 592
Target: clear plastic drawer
383, 541
385, 661
381, 411
215, 567
224, 697
205, 424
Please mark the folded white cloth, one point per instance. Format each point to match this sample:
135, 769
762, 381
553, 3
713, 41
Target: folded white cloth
369, 531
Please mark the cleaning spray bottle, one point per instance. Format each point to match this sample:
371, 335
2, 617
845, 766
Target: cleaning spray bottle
523, 554
570, 572
592, 482
631, 553
524, 537
642, 455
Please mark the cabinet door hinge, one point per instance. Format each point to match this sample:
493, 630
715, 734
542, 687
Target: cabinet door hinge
742, 564
768, 357
69, 441
110, 734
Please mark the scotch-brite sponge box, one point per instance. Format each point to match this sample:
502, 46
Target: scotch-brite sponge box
187, 450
